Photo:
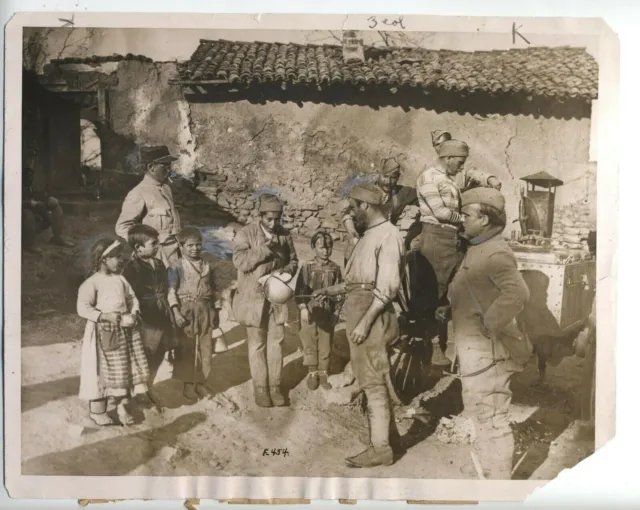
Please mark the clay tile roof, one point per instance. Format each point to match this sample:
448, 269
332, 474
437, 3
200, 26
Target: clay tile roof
100, 59
540, 71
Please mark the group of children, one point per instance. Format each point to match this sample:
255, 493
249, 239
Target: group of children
139, 314
142, 313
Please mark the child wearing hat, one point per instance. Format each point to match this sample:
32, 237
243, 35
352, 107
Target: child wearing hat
193, 299
317, 315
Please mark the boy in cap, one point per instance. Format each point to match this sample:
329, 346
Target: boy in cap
439, 188
259, 249
486, 295
151, 203
372, 280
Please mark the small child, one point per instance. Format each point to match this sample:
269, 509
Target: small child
113, 360
148, 277
317, 315
192, 296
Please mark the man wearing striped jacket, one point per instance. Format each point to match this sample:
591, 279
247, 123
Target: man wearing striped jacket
439, 189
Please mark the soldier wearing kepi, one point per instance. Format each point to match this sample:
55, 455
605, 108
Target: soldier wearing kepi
151, 203
486, 295
372, 281
260, 249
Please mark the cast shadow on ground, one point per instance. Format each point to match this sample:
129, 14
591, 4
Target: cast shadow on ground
36, 395
231, 369
115, 456
556, 410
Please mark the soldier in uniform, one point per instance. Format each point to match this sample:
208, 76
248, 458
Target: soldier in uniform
151, 203
486, 295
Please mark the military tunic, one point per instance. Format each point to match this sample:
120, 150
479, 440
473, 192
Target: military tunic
151, 203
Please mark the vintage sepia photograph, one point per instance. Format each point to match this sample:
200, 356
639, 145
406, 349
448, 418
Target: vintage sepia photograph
318, 253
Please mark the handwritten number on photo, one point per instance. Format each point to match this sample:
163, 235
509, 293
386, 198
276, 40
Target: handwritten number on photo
275, 452
386, 21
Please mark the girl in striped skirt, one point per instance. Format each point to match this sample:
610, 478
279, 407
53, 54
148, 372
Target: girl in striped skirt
113, 359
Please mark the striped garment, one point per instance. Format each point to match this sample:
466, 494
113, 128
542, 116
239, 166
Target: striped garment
123, 370
439, 194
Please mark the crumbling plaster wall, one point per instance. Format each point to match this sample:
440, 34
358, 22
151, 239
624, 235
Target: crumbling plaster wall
308, 153
146, 109
143, 108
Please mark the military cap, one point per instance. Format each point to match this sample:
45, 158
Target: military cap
486, 196
453, 148
366, 192
155, 154
390, 166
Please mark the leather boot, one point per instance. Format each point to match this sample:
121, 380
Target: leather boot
203, 391
189, 392
261, 396
312, 380
371, 457
324, 381
276, 396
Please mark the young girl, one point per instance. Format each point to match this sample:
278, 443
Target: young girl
113, 360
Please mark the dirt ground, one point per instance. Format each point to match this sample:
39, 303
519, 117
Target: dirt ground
229, 435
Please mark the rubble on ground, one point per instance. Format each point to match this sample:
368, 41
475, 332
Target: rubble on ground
455, 430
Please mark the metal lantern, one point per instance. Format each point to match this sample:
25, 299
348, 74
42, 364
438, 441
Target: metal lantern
537, 206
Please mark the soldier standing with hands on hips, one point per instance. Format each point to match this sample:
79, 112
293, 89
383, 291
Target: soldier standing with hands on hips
486, 295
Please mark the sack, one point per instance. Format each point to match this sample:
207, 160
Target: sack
109, 336
517, 343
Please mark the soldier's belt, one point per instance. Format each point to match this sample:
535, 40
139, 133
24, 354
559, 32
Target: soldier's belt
350, 287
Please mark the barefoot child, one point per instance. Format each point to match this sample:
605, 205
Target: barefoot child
113, 360
317, 315
148, 277
192, 297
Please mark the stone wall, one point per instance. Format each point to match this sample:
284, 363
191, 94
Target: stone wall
309, 153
